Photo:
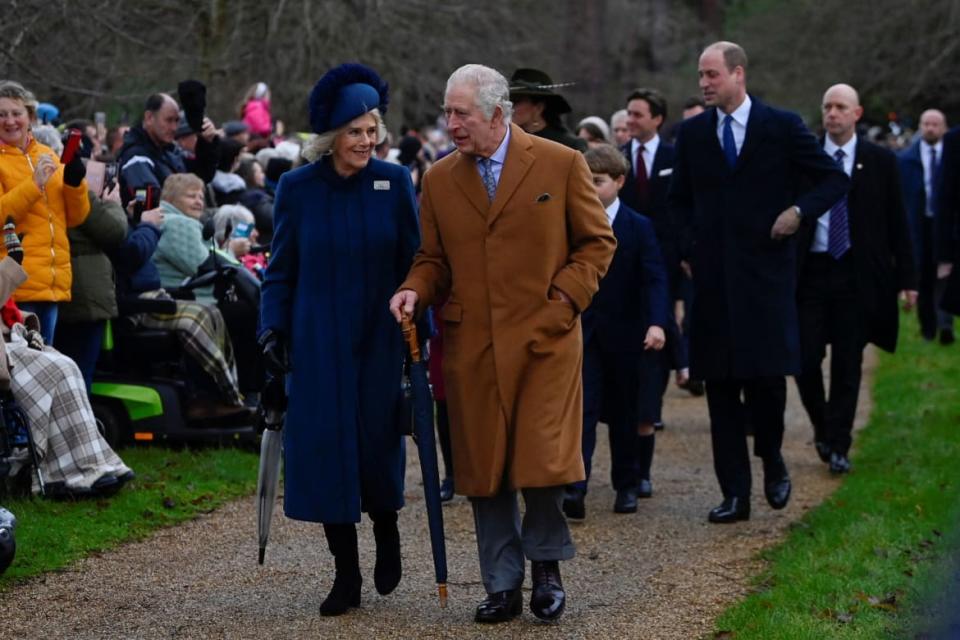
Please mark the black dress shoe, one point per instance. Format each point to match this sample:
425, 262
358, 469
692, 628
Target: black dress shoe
658, 426
823, 450
574, 503
446, 490
695, 387
548, 599
839, 463
776, 482
626, 501
644, 488
731, 510
502, 606
946, 336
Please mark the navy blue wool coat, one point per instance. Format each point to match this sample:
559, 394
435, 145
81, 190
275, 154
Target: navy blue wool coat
340, 249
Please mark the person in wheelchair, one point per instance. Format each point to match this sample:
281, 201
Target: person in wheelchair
47, 387
199, 327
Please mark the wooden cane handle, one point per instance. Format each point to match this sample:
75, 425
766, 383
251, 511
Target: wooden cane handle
409, 330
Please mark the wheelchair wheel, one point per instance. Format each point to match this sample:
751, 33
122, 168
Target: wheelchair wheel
111, 423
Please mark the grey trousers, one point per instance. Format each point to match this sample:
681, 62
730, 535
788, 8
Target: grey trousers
504, 542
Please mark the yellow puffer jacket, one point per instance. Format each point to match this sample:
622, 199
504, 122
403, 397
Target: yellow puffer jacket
42, 217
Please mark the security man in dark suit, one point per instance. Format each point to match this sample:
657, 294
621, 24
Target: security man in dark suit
852, 261
623, 328
738, 177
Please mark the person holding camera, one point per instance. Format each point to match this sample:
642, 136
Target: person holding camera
44, 198
149, 153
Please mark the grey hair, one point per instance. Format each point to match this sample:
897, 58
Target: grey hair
48, 135
618, 115
232, 214
493, 90
322, 144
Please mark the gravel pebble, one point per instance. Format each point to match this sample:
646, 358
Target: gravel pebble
663, 572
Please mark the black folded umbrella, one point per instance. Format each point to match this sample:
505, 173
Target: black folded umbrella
423, 435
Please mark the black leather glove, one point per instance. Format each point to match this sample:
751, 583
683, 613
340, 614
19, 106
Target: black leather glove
193, 99
273, 404
276, 355
74, 172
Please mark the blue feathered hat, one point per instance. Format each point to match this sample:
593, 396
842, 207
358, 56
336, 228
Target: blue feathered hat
344, 93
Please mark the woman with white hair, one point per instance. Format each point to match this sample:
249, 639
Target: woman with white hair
344, 237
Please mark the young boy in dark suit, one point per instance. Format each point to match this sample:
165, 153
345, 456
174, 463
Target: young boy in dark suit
623, 329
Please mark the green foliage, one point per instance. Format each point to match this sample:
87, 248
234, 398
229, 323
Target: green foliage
859, 565
171, 486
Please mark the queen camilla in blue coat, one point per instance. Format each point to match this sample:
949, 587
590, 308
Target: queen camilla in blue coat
345, 234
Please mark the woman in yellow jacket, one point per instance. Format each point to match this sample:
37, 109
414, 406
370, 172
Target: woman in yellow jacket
44, 198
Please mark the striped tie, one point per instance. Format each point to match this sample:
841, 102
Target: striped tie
486, 174
838, 242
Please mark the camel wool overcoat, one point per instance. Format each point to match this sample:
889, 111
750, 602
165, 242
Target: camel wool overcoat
512, 351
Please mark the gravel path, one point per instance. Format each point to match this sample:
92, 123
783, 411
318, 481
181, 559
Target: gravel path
661, 573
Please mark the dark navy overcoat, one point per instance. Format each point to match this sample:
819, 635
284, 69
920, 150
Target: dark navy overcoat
744, 322
340, 249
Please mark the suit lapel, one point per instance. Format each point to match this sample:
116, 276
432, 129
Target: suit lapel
467, 178
515, 167
754, 133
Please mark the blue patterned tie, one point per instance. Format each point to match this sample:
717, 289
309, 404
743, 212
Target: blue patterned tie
486, 174
838, 242
729, 143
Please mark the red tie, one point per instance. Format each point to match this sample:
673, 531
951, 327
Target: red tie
642, 180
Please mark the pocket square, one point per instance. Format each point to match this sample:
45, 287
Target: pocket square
665, 172
543, 197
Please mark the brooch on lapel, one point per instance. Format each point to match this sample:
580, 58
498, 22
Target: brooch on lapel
665, 172
543, 197
859, 166
381, 185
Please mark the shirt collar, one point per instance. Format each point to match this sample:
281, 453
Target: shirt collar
849, 149
612, 210
740, 115
938, 145
650, 145
500, 155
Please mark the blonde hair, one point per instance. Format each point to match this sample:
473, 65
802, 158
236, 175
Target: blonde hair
177, 183
16, 91
322, 144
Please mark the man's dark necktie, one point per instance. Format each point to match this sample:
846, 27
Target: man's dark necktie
642, 181
729, 143
932, 192
838, 241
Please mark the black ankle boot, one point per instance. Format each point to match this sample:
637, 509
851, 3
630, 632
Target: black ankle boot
387, 571
342, 540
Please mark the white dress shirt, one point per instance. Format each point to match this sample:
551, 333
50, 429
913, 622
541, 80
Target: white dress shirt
739, 125
649, 153
612, 210
821, 236
928, 170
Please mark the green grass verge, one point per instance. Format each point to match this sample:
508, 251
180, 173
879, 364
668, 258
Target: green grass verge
171, 486
861, 564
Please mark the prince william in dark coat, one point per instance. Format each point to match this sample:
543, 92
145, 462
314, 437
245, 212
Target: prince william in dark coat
744, 176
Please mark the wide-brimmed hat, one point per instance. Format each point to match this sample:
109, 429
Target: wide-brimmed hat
344, 93
533, 83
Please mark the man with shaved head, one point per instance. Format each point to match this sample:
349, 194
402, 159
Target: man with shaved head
745, 176
852, 260
922, 180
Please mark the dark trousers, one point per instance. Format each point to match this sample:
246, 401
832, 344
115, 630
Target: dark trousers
732, 403
443, 437
930, 292
829, 314
610, 385
80, 341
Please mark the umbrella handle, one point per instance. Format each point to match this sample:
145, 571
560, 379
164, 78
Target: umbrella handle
409, 330
442, 592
